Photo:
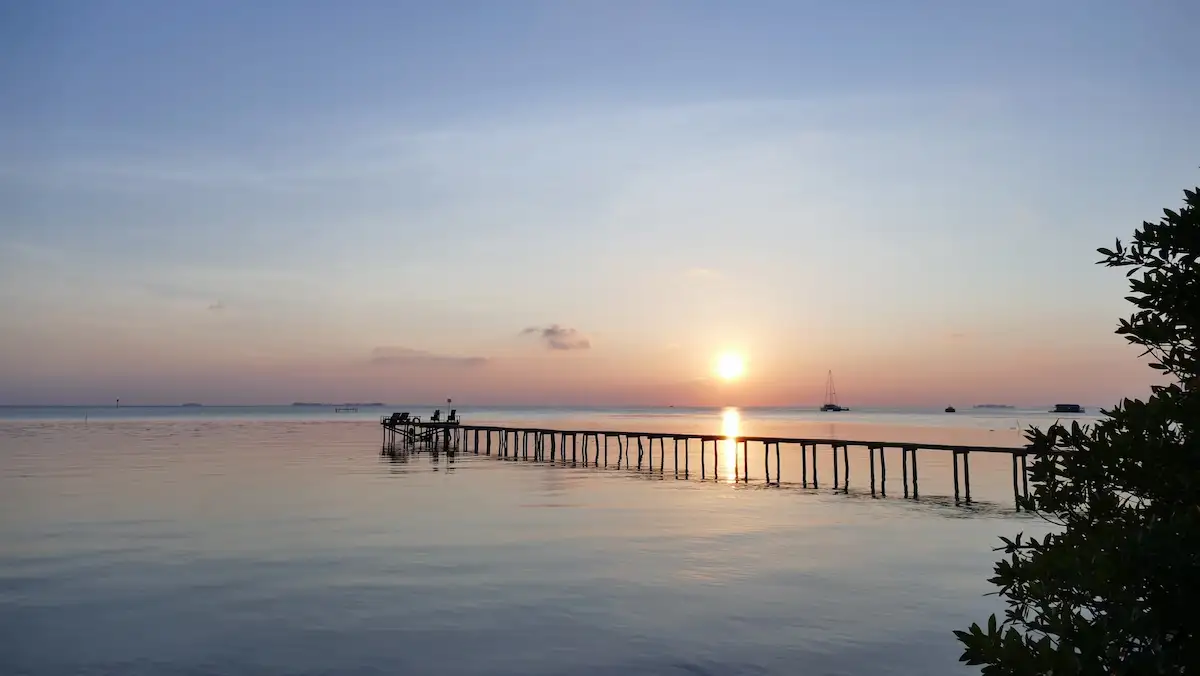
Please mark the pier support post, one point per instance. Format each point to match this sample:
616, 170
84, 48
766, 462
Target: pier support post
846, 464
1025, 474
778, 474
967, 474
904, 467
686, 456
955, 464
1016, 485
836, 481
804, 465
871, 457
814, 466
745, 461
882, 470
767, 461
916, 491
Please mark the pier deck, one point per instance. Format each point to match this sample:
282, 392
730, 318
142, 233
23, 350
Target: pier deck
592, 448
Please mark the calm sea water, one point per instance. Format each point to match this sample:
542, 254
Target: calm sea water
279, 541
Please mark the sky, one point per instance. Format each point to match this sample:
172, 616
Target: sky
582, 202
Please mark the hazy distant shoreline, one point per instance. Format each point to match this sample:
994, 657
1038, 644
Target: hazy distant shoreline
525, 407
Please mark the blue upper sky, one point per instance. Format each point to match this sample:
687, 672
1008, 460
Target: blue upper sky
268, 201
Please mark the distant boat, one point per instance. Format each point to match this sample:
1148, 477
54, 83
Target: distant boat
950, 409
1068, 408
831, 402
993, 406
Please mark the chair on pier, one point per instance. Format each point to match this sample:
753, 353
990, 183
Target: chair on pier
453, 417
436, 417
398, 419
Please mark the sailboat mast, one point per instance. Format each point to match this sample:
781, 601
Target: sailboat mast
830, 390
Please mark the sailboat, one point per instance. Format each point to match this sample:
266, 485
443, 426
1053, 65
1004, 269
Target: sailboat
831, 402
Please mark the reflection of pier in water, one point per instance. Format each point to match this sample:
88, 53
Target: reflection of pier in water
649, 450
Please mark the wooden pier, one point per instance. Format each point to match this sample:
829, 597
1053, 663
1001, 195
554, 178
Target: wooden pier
592, 448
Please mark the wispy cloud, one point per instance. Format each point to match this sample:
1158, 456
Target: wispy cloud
557, 337
395, 356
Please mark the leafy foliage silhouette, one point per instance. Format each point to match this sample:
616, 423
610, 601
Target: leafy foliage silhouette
1115, 588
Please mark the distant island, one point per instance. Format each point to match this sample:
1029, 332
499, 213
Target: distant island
191, 403
993, 406
345, 405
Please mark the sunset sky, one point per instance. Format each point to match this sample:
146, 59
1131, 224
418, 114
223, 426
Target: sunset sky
582, 202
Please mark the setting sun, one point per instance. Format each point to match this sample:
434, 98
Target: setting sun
730, 366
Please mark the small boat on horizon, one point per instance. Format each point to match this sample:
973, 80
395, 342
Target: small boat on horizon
1068, 408
831, 402
951, 409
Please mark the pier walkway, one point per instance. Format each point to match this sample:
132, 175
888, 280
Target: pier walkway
592, 448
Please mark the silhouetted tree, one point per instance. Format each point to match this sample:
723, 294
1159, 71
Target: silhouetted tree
1115, 588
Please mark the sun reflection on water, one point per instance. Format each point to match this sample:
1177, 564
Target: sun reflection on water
731, 422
